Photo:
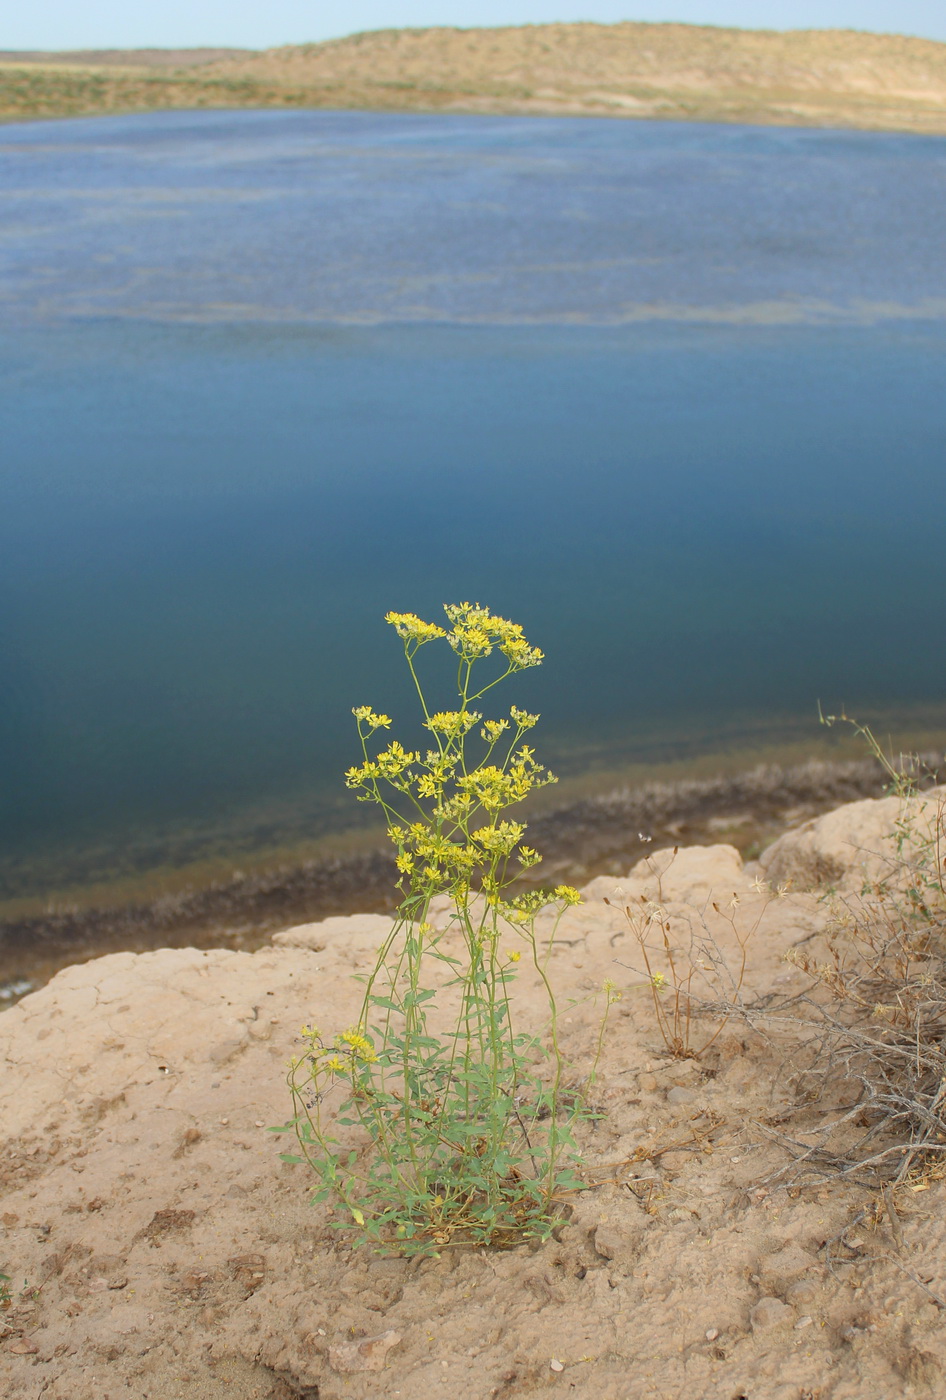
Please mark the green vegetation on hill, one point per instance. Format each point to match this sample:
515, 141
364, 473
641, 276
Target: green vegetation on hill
671, 71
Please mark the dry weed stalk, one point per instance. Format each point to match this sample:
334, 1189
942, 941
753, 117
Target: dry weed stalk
700, 981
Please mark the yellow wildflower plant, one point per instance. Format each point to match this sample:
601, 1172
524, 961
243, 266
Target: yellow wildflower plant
469, 1132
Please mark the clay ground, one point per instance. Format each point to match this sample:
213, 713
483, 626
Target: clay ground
159, 1248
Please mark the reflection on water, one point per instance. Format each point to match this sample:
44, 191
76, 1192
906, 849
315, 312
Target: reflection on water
673, 396
357, 217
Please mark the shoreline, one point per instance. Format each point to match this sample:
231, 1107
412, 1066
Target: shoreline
580, 840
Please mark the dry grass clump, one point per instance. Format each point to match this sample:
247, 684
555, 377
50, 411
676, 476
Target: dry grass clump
873, 1019
865, 1039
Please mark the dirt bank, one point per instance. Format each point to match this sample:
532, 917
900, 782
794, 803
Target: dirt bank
158, 1248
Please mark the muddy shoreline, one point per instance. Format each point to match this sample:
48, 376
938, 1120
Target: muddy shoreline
594, 836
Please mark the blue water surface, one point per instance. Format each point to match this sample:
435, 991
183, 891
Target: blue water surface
673, 396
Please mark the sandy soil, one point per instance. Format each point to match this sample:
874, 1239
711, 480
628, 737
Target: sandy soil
158, 1247
676, 71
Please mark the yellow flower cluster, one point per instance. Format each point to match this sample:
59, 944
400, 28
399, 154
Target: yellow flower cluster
410, 628
358, 1045
431, 856
428, 854
364, 714
353, 1044
524, 908
343, 1059
444, 790
453, 723
494, 788
522, 719
499, 839
392, 762
476, 632
389, 764
488, 787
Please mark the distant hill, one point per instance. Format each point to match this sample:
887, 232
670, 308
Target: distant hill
835, 78
120, 58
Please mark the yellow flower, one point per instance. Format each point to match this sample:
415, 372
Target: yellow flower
567, 894
359, 1045
514, 957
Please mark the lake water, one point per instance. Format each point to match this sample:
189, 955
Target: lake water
673, 396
